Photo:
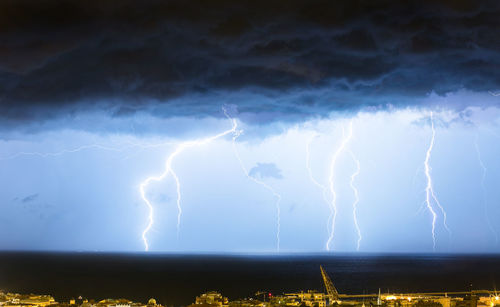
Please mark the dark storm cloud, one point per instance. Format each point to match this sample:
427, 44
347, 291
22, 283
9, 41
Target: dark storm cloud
293, 57
29, 198
266, 170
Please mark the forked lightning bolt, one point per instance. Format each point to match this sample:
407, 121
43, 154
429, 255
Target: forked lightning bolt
430, 196
169, 170
356, 198
60, 153
483, 188
331, 181
323, 188
82, 148
265, 185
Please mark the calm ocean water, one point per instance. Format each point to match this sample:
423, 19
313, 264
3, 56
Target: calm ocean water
177, 279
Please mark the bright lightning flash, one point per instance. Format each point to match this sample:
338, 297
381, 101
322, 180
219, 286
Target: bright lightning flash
429, 191
83, 148
265, 185
351, 183
60, 153
331, 180
323, 188
169, 170
356, 198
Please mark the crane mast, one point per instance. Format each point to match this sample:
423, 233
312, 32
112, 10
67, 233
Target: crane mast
331, 292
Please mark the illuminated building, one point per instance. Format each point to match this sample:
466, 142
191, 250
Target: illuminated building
110, 302
14, 299
276, 301
489, 301
37, 300
310, 298
211, 298
468, 301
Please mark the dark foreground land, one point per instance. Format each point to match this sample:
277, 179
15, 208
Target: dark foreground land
177, 279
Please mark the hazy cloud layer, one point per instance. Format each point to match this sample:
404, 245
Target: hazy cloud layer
180, 58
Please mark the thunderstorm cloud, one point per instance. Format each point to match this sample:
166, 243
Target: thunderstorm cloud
274, 61
98, 96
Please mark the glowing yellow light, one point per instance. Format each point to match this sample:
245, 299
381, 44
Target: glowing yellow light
390, 297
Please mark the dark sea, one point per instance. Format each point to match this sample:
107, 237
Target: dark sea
177, 279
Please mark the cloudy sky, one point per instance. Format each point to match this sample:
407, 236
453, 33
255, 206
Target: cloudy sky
271, 117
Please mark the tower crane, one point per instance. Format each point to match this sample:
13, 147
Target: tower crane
331, 291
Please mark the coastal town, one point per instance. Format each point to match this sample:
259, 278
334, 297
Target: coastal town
308, 298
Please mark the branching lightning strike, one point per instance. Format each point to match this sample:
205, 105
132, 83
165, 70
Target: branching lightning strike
61, 152
333, 201
429, 190
169, 170
82, 148
356, 198
483, 188
265, 185
323, 188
